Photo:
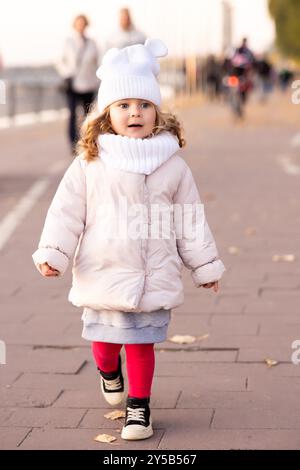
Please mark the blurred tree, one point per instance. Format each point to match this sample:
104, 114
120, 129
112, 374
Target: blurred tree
286, 14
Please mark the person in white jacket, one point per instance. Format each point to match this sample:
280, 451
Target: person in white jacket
129, 209
126, 34
77, 66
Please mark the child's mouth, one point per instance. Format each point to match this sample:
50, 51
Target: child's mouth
135, 125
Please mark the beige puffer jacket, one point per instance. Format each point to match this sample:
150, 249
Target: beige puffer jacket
133, 218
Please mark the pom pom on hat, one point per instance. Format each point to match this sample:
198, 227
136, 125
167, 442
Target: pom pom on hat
156, 47
131, 73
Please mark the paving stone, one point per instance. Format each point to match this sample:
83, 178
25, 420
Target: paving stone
11, 437
268, 383
5, 413
63, 381
35, 332
59, 360
216, 439
281, 280
237, 280
198, 356
274, 306
94, 399
280, 329
233, 324
83, 439
231, 304
272, 351
238, 369
257, 418
8, 375
45, 417
188, 324
258, 342
94, 419
203, 398
27, 397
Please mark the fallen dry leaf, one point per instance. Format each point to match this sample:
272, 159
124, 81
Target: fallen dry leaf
289, 258
271, 362
250, 231
233, 250
115, 414
201, 338
105, 438
183, 339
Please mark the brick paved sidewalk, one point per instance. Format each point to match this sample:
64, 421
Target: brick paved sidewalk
217, 393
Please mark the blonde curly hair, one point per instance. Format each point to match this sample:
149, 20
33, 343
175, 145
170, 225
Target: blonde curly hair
94, 125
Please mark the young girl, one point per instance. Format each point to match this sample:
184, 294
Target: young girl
129, 209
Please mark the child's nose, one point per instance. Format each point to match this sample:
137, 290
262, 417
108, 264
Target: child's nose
135, 111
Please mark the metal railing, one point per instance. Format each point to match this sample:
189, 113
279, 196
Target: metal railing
36, 90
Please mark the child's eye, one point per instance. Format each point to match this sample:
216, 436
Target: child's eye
144, 105
123, 105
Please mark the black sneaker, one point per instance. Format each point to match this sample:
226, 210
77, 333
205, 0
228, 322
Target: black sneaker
112, 385
138, 423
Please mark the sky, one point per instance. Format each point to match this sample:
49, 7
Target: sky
32, 31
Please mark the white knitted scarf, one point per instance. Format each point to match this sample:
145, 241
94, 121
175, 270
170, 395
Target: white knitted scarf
137, 155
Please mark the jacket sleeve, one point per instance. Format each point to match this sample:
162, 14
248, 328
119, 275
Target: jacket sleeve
65, 220
195, 243
65, 65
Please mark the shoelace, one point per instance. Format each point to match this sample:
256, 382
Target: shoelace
112, 384
136, 414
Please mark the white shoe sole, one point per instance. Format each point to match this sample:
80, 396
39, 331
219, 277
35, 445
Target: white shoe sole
113, 398
136, 432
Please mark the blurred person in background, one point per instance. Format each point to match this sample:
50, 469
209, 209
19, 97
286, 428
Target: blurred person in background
265, 75
285, 78
244, 50
238, 77
126, 35
212, 77
242, 65
77, 66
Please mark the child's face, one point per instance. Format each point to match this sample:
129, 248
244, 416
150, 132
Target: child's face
124, 114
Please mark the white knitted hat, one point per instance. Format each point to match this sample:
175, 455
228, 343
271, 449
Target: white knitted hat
131, 73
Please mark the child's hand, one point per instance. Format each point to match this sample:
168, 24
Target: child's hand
47, 271
215, 285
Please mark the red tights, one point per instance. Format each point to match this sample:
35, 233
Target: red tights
140, 361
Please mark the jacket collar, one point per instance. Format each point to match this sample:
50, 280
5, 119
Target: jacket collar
137, 155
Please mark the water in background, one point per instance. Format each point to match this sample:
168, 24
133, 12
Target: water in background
30, 90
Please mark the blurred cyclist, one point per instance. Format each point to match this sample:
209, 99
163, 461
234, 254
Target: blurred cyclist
242, 65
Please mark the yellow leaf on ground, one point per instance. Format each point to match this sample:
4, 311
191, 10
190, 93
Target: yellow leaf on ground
105, 438
289, 258
115, 414
271, 362
183, 339
233, 250
201, 338
250, 231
